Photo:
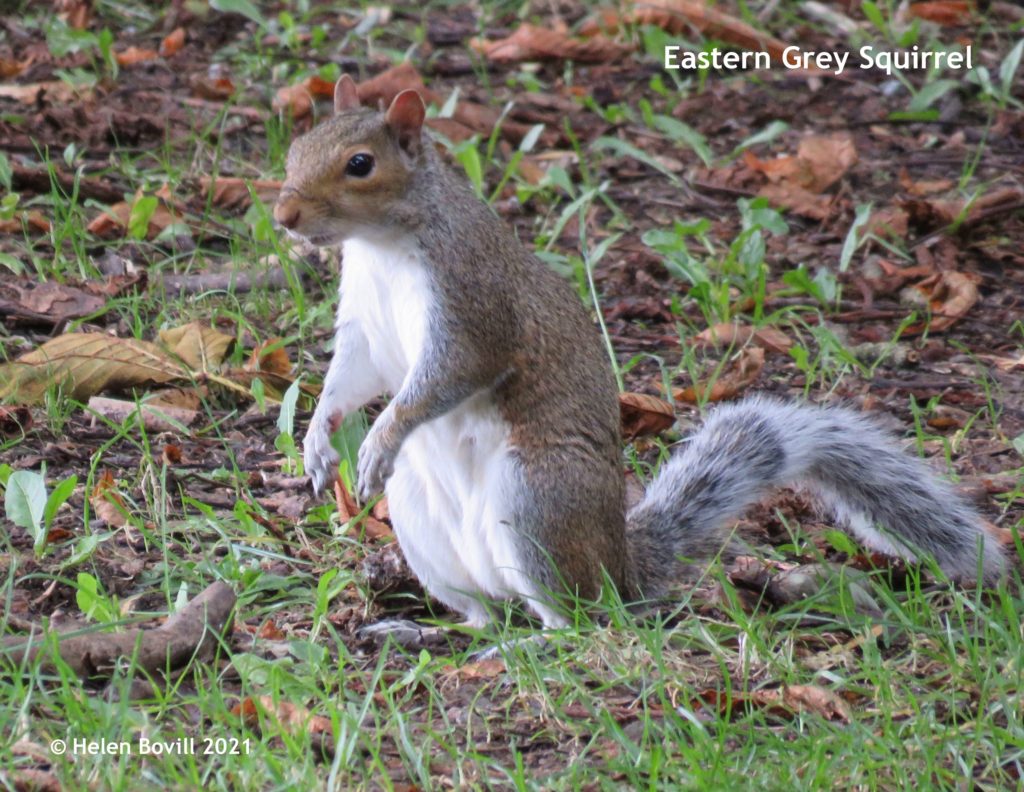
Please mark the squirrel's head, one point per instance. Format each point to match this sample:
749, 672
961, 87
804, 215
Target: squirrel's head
347, 175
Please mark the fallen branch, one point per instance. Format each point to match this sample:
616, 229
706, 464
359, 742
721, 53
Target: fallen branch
192, 632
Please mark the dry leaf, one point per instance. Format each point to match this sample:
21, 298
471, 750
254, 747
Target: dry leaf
820, 161
644, 415
233, 193
481, 669
270, 631
199, 346
115, 220
533, 43
890, 221
924, 187
133, 55
745, 371
685, 16
14, 420
107, 503
32, 220
292, 718
11, 68
942, 12
86, 364
173, 43
76, 13
796, 183
155, 417
951, 295
391, 82
734, 334
53, 91
215, 89
270, 357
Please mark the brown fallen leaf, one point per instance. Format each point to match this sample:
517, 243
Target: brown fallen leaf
368, 525
796, 182
299, 98
643, 415
942, 12
76, 13
216, 89
480, 669
155, 417
200, 346
86, 364
782, 703
950, 295
270, 631
115, 220
173, 42
684, 16
14, 420
930, 214
289, 717
270, 357
107, 503
818, 700
53, 92
533, 43
32, 220
734, 334
889, 221
9, 67
48, 302
133, 55
229, 192
925, 186
745, 370
820, 161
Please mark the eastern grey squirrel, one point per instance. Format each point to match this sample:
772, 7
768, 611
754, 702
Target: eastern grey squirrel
500, 449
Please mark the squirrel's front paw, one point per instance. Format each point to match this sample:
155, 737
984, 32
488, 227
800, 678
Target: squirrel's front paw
318, 455
376, 459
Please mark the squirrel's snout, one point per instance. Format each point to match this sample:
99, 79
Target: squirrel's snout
287, 214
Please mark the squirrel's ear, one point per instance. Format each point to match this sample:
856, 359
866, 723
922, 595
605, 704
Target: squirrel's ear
405, 117
346, 97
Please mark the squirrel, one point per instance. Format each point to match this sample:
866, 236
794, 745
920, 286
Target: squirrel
500, 449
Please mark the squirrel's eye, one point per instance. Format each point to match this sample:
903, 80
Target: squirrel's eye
359, 165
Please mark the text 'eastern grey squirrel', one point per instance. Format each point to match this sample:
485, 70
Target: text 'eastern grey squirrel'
500, 450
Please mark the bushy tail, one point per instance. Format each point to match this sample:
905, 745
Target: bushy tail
748, 448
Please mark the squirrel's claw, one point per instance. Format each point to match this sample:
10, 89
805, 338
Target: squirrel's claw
318, 455
376, 462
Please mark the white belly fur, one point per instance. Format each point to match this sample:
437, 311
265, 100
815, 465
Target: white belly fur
450, 493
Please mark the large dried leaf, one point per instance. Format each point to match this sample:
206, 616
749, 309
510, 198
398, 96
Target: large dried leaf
644, 415
820, 161
173, 43
735, 334
942, 12
533, 43
48, 302
32, 220
782, 703
86, 364
230, 192
133, 55
796, 182
950, 295
684, 16
745, 370
200, 346
54, 91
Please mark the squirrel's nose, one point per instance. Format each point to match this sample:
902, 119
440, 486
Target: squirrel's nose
287, 214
